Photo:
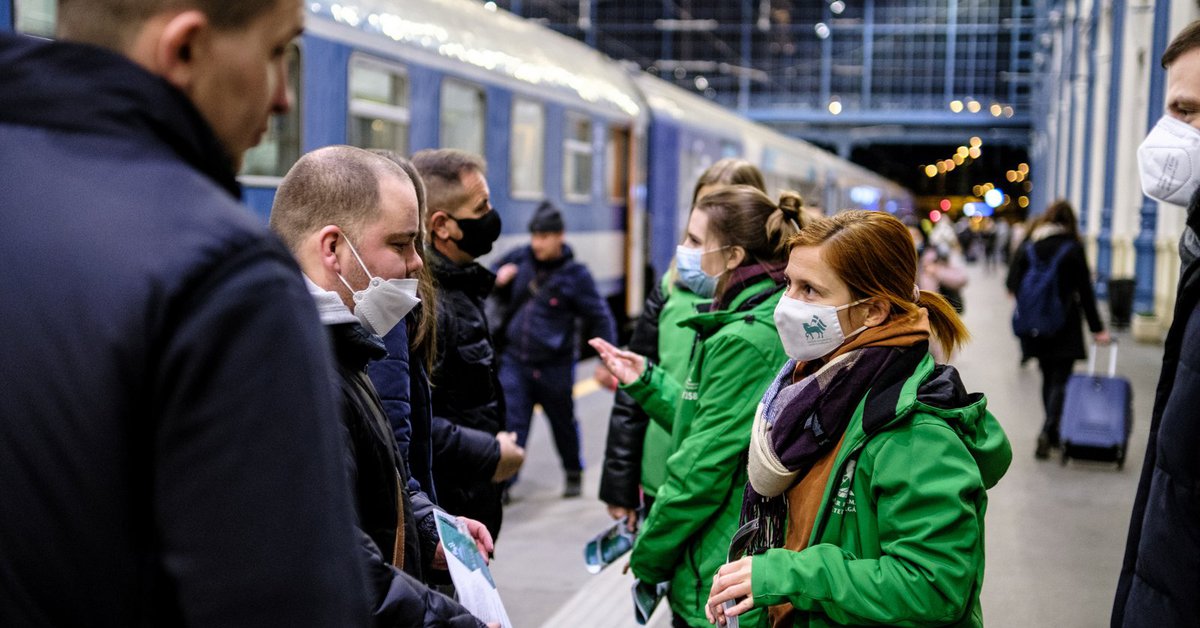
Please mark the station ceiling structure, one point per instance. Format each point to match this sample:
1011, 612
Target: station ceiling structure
861, 77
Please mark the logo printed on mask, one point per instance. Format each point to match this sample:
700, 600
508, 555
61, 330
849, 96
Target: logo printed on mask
381, 304
1169, 161
809, 330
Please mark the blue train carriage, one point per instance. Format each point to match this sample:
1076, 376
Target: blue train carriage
688, 133
555, 119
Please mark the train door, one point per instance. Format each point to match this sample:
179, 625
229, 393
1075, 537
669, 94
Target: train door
619, 163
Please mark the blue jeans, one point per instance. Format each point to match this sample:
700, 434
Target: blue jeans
549, 385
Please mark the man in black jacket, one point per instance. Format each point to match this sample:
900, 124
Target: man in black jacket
472, 452
1161, 574
164, 458
350, 217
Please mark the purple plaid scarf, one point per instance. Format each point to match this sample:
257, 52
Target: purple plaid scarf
797, 424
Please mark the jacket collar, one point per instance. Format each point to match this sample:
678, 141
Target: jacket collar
97, 91
471, 278
741, 308
352, 343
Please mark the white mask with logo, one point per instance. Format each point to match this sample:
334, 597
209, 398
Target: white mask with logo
808, 330
1169, 161
382, 303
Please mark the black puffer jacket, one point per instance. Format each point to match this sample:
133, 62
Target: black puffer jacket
1075, 289
621, 477
1161, 574
381, 484
468, 402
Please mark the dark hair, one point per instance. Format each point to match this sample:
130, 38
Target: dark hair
730, 171
1185, 41
872, 253
423, 341
442, 170
1058, 213
108, 23
334, 185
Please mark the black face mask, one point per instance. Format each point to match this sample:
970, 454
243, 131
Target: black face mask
478, 234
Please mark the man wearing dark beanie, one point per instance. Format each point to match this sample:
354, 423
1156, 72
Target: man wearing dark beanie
543, 292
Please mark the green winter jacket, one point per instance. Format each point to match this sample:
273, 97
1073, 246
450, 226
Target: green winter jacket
674, 346
686, 536
899, 538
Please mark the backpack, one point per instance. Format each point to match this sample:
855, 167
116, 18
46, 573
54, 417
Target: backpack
1040, 310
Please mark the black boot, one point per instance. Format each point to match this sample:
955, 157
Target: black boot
1043, 447
574, 486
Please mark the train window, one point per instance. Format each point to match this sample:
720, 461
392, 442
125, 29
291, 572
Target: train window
280, 147
378, 105
618, 164
577, 159
35, 17
463, 110
527, 149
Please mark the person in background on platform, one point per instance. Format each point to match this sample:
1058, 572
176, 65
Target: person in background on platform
543, 293
1158, 581
1052, 233
869, 464
165, 459
940, 268
472, 454
735, 235
402, 378
333, 197
635, 455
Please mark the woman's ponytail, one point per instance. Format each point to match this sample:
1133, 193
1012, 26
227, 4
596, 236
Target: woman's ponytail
948, 329
785, 222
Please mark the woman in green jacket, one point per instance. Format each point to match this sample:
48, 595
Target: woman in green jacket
736, 236
635, 456
869, 464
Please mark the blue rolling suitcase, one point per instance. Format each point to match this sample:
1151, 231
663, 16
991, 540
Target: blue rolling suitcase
1097, 414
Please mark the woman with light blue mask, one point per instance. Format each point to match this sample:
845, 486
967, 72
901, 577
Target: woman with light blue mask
734, 250
635, 458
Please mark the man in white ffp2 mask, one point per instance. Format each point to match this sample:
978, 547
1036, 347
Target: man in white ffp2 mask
351, 219
1162, 560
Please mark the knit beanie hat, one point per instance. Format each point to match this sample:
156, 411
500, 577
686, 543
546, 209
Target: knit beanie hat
546, 219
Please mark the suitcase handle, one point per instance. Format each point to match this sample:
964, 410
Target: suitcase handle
1112, 358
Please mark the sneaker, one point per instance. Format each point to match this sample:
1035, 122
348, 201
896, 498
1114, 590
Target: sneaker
1043, 447
574, 486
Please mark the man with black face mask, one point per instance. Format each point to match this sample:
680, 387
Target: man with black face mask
1158, 581
471, 453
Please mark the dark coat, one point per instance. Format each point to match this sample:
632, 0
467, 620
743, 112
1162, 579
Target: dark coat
403, 385
468, 402
165, 459
1161, 574
1075, 288
378, 473
620, 479
542, 304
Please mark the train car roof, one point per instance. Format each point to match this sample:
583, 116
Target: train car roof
492, 43
772, 150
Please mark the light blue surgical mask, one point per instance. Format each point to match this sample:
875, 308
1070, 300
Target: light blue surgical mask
691, 275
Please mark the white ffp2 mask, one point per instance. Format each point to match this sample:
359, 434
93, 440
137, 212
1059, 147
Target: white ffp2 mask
382, 303
1169, 161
